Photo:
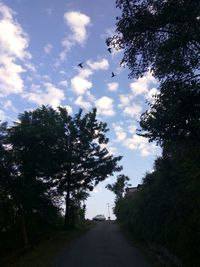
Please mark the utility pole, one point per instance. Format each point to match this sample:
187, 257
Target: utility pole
108, 211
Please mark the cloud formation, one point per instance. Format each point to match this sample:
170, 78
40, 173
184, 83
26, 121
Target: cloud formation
77, 23
143, 84
112, 86
51, 96
80, 85
13, 48
105, 106
131, 140
102, 64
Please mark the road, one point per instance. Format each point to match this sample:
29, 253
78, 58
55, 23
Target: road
102, 246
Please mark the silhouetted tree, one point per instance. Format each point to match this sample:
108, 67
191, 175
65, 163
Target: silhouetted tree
119, 187
87, 161
162, 36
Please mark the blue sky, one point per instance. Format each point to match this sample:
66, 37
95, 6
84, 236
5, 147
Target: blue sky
41, 43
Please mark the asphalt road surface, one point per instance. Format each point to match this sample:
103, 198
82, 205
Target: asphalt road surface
102, 246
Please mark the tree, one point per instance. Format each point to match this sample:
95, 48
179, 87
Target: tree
174, 116
87, 161
162, 36
119, 187
34, 141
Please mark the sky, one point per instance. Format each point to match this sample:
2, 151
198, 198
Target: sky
41, 44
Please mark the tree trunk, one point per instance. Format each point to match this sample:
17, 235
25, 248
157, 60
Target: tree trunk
24, 229
67, 209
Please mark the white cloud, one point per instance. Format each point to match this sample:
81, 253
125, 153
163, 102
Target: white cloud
8, 105
48, 48
51, 96
104, 106
68, 108
2, 115
80, 85
133, 111
142, 85
63, 83
125, 100
77, 22
119, 131
131, 140
139, 143
150, 96
85, 73
13, 48
132, 129
10, 77
82, 103
113, 86
102, 64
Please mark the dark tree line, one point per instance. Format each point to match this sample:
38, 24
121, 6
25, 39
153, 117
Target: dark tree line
48, 156
164, 37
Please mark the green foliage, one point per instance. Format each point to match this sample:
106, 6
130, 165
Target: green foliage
119, 187
165, 209
162, 36
45, 156
174, 117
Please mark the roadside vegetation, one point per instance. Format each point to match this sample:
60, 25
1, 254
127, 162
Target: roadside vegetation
49, 162
163, 37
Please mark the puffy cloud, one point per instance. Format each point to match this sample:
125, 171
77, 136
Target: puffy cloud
132, 141
142, 85
104, 106
119, 131
82, 103
139, 143
80, 85
13, 40
13, 47
77, 22
85, 73
102, 64
48, 48
125, 100
133, 110
52, 96
113, 86
10, 77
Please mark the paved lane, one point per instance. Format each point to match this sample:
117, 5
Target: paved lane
102, 246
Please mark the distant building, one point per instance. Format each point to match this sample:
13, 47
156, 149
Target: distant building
132, 190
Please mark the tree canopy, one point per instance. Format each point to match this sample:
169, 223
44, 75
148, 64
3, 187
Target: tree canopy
162, 36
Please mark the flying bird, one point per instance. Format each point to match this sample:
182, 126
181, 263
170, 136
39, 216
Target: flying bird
110, 50
80, 65
113, 75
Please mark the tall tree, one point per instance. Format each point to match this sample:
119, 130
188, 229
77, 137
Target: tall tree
34, 142
163, 36
87, 160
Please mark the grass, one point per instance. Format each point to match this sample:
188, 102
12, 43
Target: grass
46, 252
144, 248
